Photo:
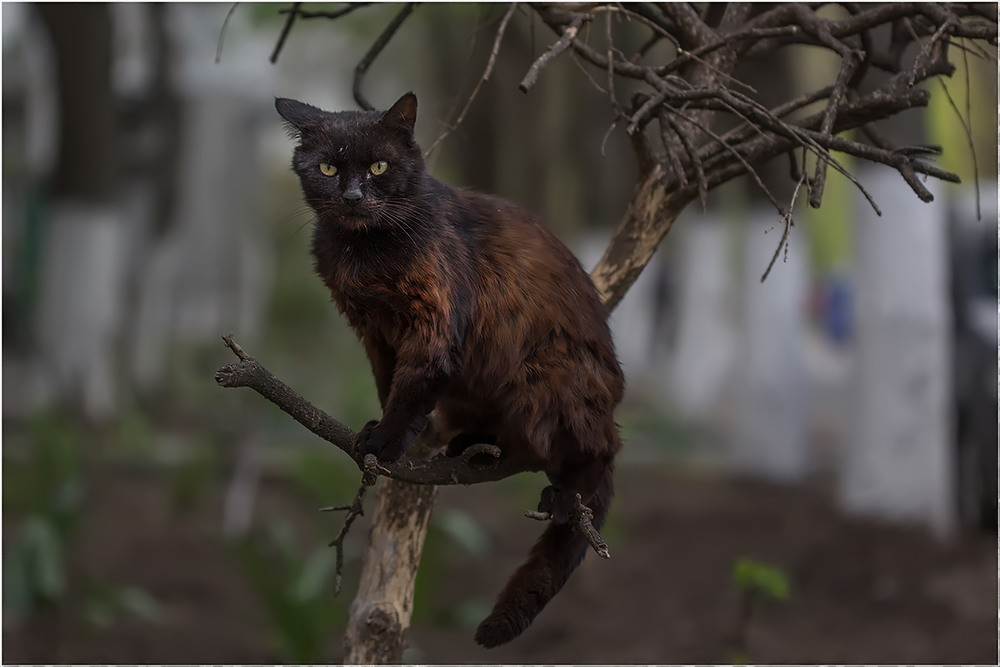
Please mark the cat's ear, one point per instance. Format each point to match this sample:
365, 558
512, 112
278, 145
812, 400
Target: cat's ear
402, 115
299, 116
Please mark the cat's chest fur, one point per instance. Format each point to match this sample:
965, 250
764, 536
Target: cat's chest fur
382, 285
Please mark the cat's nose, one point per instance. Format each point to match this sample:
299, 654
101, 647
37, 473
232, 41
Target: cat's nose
352, 195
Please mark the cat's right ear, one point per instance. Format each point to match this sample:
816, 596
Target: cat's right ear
402, 115
299, 116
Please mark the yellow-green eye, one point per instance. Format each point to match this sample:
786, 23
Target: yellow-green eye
378, 168
327, 169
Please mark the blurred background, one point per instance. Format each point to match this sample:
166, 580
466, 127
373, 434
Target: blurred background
810, 465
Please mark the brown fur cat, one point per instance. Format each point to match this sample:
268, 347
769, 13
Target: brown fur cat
468, 306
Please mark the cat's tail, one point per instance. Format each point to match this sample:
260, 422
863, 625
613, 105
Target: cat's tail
557, 553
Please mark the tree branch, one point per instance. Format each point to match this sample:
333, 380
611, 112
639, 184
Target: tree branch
563, 43
373, 53
441, 470
354, 510
483, 79
292, 14
583, 518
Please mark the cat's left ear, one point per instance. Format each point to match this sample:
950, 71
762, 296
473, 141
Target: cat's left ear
299, 115
402, 115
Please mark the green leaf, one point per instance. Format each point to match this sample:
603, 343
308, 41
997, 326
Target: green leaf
738, 657
756, 578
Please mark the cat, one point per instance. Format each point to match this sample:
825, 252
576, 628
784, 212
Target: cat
466, 306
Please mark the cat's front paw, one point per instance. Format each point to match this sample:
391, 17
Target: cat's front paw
363, 441
372, 440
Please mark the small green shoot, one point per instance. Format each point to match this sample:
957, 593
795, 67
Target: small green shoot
756, 583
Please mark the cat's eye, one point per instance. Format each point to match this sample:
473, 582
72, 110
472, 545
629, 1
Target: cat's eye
378, 168
327, 169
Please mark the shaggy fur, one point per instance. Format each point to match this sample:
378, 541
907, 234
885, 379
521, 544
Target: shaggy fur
468, 306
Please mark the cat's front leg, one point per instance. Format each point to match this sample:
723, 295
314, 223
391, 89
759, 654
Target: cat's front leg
414, 392
383, 361
381, 443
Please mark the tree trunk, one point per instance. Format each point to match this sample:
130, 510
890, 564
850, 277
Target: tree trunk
897, 463
648, 218
702, 358
380, 612
82, 290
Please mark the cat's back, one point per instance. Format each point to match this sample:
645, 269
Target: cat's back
527, 275
512, 240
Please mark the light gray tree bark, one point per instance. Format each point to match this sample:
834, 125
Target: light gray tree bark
897, 463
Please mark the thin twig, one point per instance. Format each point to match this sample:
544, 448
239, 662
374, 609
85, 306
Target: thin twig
968, 123
641, 52
373, 53
222, 33
699, 170
844, 75
750, 170
786, 232
967, 129
483, 79
583, 519
611, 69
563, 43
292, 14
354, 510
303, 14
669, 143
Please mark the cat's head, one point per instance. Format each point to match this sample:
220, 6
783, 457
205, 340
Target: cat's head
358, 169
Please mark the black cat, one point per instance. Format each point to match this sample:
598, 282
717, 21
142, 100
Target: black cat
468, 306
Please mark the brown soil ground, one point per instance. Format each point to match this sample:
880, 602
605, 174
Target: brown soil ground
861, 592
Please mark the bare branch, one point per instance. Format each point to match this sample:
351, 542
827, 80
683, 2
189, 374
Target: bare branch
699, 169
354, 510
222, 33
583, 519
373, 53
293, 13
726, 145
563, 43
966, 128
440, 470
787, 221
285, 31
483, 79
347, 9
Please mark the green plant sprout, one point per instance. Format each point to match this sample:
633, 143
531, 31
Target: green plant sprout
756, 583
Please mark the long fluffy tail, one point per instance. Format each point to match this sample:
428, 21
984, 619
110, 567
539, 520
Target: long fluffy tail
557, 553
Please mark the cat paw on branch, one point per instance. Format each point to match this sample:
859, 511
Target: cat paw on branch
466, 468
